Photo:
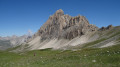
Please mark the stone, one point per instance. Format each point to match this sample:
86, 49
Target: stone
109, 26
106, 28
60, 25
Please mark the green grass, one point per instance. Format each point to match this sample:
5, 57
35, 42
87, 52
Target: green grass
9, 49
114, 30
26, 46
93, 43
88, 57
115, 34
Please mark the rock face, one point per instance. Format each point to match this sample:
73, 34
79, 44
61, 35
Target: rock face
66, 32
106, 28
60, 25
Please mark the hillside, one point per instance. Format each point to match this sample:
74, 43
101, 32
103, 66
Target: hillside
62, 31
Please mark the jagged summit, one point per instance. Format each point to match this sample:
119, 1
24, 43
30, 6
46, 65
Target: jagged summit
62, 31
60, 25
59, 12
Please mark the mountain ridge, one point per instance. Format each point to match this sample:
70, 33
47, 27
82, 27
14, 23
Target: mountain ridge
12, 41
62, 25
62, 31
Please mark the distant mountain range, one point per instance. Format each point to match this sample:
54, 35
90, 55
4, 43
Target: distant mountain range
12, 41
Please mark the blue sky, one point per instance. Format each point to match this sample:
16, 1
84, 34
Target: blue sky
19, 16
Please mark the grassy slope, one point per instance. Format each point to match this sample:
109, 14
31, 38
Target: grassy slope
88, 57
93, 43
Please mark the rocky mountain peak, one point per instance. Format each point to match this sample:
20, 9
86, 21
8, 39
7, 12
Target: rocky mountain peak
60, 25
59, 12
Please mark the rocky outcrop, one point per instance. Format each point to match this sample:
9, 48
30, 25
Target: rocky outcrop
109, 26
60, 25
106, 28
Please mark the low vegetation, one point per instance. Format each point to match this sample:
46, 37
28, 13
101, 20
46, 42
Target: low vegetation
93, 43
87, 57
